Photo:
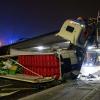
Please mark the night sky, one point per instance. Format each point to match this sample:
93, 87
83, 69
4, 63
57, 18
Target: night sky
28, 18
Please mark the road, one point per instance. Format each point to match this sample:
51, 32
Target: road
13, 90
68, 91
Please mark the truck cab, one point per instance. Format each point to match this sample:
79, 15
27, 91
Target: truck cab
74, 31
82, 33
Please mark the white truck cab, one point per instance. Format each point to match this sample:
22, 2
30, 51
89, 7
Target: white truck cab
72, 30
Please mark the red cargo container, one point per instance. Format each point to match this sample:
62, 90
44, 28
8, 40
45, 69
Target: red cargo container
46, 65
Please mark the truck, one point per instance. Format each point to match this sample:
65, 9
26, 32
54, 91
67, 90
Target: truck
84, 34
78, 34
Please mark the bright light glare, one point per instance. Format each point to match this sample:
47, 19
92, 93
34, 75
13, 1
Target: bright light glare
98, 50
89, 70
90, 64
89, 47
40, 48
82, 25
87, 64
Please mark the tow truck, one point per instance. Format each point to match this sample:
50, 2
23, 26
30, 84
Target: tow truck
83, 35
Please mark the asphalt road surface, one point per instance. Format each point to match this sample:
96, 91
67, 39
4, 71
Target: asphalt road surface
71, 90
13, 90
68, 91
